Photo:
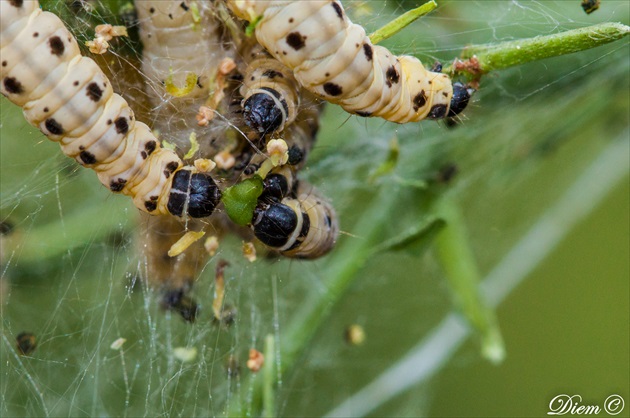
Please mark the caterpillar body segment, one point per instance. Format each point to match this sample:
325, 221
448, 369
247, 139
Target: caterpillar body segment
179, 38
184, 48
293, 218
71, 101
271, 95
335, 59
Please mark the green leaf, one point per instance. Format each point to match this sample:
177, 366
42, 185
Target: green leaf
240, 200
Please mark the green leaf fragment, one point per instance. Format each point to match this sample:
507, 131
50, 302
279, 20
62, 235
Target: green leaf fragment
249, 31
241, 199
173, 90
168, 145
194, 10
194, 146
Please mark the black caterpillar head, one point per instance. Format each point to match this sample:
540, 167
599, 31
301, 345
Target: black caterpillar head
459, 101
197, 193
274, 223
262, 111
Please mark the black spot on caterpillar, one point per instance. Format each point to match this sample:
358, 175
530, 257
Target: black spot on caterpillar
71, 101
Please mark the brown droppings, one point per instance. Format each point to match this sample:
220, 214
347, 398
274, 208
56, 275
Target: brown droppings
26, 343
6, 227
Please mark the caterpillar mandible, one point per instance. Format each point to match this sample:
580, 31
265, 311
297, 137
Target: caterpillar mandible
69, 98
335, 59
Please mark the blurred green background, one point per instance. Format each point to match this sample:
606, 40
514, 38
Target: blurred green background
68, 266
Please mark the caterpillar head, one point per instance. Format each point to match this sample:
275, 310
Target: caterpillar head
196, 194
274, 223
265, 111
460, 98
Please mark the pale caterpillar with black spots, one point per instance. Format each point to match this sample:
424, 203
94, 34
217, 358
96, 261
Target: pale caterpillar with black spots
71, 101
335, 59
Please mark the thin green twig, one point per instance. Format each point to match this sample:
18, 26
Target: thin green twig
52, 239
480, 59
460, 267
401, 22
269, 378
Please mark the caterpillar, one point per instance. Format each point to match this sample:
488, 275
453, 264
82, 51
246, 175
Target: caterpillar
271, 95
69, 98
335, 59
292, 217
178, 42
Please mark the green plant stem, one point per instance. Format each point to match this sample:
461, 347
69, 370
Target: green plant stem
55, 238
269, 378
457, 260
401, 22
342, 270
486, 58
